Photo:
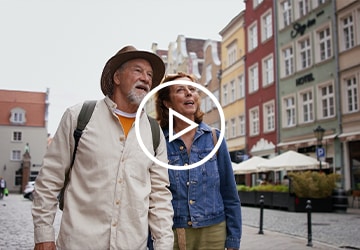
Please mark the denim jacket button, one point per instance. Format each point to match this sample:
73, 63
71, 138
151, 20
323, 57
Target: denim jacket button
187, 183
181, 147
189, 223
191, 202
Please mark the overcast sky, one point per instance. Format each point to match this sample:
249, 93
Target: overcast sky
63, 45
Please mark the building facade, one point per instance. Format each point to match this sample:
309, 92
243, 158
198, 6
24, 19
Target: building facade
348, 26
23, 128
261, 102
308, 84
210, 80
232, 86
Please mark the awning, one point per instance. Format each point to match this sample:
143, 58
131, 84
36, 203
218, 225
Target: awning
306, 142
350, 136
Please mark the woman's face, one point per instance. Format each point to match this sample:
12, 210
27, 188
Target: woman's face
184, 99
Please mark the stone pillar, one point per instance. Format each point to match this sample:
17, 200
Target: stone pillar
25, 169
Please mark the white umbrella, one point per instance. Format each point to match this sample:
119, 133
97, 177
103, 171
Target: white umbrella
248, 166
291, 160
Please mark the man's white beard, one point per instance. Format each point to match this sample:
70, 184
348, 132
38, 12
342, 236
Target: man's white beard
135, 98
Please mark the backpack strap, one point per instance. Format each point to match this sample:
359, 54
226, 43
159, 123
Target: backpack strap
83, 119
155, 131
214, 136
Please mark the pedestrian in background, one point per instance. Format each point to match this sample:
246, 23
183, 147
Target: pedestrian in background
207, 211
116, 193
2, 187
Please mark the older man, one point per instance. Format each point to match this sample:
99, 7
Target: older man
115, 193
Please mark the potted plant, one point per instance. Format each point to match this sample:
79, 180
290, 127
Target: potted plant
314, 186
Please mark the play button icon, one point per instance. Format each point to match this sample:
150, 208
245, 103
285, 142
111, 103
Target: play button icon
191, 126
173, 113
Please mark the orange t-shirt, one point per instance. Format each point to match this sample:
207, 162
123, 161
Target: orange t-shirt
126, 120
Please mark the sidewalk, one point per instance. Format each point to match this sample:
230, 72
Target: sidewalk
252, 240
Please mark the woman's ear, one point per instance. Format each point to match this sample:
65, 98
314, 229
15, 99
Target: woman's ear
166, 104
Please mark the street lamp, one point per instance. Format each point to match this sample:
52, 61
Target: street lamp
319, 133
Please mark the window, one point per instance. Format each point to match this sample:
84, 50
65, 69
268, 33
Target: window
289, 106
16, 155
231, 50
266, 26
254, 121
206, 104
225, 95
268, 70
351, 95
317, 3
216, 94
347, 32
306, 107
17, 136
242, 124
288, 60
253, 37
327, 98
17, 116
256, 3
208, 74
254, 79
241, 87
269, 116
305, 53
232, 91
233, 128
303, 8
286, 13
203, 104
226, 130
324, 50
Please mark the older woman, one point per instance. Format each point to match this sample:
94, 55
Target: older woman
207, 211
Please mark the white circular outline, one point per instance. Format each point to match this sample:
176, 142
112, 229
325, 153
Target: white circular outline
151, 93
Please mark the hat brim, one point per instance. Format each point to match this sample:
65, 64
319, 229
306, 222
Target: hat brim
116, 61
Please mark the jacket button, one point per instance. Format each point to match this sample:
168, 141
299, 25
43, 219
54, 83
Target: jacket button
189, 223
122, 138
191, 202
187, 183
181, 147
186, 164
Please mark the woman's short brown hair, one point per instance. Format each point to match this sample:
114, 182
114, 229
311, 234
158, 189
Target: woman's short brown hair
162, 112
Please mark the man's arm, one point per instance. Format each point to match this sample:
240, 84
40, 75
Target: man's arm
50, 180
161, 211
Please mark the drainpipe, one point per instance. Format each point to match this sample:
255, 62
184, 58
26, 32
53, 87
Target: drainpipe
337, 87
276, 74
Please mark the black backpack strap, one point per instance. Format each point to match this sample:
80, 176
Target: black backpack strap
155, 130
83, 119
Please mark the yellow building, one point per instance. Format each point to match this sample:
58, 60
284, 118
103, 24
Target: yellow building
232, 85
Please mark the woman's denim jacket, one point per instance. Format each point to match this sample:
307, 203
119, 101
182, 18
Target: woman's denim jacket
207, 194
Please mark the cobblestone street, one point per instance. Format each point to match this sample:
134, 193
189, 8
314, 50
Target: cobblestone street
282, 230
16, 227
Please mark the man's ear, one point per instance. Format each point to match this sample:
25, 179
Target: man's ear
116, 77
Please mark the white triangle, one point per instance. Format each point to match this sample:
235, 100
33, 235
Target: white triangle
173, 113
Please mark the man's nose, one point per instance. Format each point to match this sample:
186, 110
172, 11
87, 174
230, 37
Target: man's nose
146, 78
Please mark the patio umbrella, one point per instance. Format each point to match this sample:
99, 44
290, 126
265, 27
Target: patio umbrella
289, 161
249, 166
